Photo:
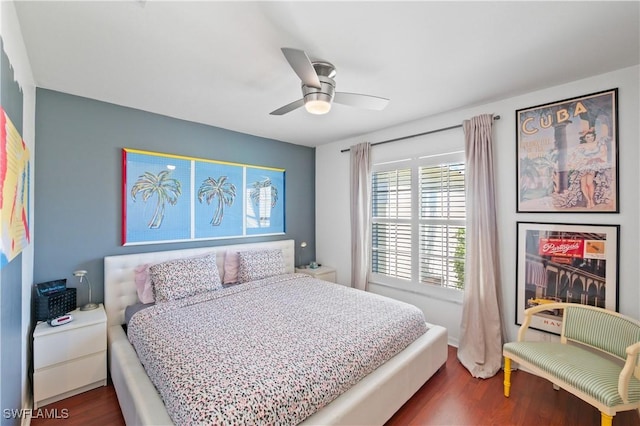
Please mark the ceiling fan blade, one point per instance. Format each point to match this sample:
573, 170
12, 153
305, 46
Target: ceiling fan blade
288, 108
361, 101
302, 65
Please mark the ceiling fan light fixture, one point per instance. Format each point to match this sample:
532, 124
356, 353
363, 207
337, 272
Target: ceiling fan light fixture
317, 106
318, 101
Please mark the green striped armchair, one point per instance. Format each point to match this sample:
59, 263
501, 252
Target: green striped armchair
596, 358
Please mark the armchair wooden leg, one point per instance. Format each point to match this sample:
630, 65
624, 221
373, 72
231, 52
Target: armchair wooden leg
606, 420
507, 376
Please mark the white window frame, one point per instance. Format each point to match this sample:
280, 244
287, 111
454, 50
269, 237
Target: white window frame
413, 285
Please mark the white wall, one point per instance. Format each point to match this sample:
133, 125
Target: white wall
332, 195
17, 53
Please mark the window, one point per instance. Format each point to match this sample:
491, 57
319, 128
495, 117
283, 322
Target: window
418, 226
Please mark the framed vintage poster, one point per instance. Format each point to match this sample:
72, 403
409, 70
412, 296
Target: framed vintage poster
171, 198
567, 155
559, 262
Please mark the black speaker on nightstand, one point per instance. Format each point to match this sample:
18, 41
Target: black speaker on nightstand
53, 299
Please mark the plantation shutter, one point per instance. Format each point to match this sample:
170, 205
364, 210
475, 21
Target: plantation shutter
442, 224
391, 232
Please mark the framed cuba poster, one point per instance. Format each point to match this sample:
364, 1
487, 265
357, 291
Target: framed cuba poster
559, 262
170, 198
567, 155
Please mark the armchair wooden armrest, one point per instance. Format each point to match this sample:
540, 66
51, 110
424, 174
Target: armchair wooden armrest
630, 367
528, 314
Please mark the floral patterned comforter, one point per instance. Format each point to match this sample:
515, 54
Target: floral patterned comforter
271, 351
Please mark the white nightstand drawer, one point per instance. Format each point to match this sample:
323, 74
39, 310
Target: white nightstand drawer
325, 273
68, 344
68, 376
327, 276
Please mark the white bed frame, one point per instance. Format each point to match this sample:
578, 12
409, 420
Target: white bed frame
371, 401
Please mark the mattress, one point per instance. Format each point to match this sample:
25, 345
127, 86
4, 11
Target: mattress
272, 351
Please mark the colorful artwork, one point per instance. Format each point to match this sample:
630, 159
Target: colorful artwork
218, 206
154, 205
169, 198
263, 209
565, 263
568, 155
14, 194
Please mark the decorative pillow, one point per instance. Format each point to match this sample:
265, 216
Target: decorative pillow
231, 262
180, 278
258, 264
143, 284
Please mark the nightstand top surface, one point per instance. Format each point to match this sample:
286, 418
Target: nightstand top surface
319, 270
80, 319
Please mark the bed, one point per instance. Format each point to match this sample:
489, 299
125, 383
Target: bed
372, 400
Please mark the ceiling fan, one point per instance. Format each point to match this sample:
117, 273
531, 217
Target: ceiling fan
318, 87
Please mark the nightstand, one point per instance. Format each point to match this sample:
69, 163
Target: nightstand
325, 273
69, 359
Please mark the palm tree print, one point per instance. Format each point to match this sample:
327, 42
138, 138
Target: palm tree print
167, 190
254, 194
224, 191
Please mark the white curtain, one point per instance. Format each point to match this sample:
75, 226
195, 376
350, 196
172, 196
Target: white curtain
360, 215
481, 330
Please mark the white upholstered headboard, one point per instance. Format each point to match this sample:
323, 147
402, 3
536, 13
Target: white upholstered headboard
119, 277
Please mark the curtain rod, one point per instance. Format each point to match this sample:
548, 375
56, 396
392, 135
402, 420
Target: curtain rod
497, 117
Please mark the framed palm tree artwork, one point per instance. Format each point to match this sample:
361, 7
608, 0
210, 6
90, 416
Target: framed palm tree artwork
154, 202
170, 198
218, 201
264, 195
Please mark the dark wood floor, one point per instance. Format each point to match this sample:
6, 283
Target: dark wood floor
450, 397
453, 397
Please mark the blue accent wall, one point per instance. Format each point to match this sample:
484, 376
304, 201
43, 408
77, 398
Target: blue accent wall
11, 274
78, 180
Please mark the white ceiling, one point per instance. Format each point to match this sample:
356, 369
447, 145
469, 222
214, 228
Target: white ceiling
220, 63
